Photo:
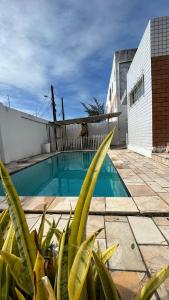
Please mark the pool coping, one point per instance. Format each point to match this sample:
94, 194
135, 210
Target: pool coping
109, 205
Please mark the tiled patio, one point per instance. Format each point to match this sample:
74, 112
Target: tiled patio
140, 223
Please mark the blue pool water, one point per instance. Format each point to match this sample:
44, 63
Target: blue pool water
63, 175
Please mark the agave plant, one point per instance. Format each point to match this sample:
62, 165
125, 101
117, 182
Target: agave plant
31, 267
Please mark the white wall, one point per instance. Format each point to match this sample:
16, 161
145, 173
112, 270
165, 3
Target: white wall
111, 104
74, 130
140, 113
99, 128
118, 82
21, 135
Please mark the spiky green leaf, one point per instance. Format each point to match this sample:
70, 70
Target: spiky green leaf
18, 271
19, 294
4, 270
41, 227
108, 285
4, 219
82, 208
62, 275
108, 253
153, 284
39, 273
80, 268
47, 240
48, 293
25, 243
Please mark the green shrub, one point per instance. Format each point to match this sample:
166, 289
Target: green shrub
32, 268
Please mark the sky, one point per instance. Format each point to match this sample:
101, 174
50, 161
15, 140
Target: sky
68, 44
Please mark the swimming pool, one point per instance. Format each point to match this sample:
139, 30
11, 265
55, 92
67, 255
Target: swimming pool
63, 175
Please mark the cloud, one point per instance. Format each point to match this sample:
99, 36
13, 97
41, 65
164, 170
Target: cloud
44, 41
67, 43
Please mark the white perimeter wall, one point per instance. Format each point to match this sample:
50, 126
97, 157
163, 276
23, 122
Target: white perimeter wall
21, 135
140, 113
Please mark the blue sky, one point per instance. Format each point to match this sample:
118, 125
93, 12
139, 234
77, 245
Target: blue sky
69, 44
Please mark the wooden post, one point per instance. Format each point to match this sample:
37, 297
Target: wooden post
53, 103
63, 112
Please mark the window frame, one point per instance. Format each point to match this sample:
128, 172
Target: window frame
137, 91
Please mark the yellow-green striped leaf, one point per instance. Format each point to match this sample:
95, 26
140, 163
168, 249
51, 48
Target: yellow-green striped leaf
108, 253
80, 267
18, 271
4, 224
39, 273
153, 284
81, 212
4, 219
48, 292
19, 294
108, 285
46, 242
91, 290
4, 269
25, 243
61, 288
41, 227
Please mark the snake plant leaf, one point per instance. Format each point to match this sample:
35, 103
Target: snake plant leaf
34, 237
2, 215
108, 285
41, 227
4, 225
4, 269
46, 242
26, 246
91, 290
48, 292
108, 253
104, 256
153, 284
80, 267
57, 233
1, 240
5, 283
4, 220
83, 204
61, 288
19, 294
39, 273
18, 271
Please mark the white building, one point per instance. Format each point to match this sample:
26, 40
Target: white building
116, 95
148, 90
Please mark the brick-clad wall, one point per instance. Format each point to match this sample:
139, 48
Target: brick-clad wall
160, 100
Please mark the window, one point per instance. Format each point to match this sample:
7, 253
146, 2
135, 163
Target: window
137, 91
110, 95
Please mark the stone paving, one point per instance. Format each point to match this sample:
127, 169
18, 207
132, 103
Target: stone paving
26, 162
139, 223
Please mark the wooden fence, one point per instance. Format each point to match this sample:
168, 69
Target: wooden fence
80, 143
